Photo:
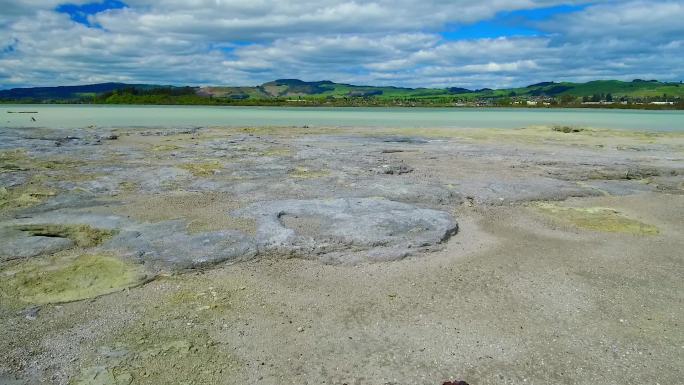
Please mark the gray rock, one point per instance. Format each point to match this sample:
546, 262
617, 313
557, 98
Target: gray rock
13, 179
394, 169
619, 187
30, 313
19, 244
163, 245
398, 190
347, 230
403, 139
168, 246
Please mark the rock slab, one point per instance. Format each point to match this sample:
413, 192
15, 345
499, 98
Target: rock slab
347, 230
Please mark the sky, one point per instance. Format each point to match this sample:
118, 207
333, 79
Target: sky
426, 43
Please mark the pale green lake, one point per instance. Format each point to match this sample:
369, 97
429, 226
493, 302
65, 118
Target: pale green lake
58, 116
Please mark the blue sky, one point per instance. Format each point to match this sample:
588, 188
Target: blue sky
79, 12
432, 43
509, 23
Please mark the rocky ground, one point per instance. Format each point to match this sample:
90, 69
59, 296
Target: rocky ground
341, 256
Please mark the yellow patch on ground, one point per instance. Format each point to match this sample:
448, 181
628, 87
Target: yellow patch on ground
276, 151
165, 147
81, 235
202, 168
157, 350
13, 160
68, 278
41, 172
128, 186
23, 196
598, 219
20, 160
306, 173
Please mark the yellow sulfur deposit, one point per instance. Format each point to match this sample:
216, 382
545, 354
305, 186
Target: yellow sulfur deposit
598, 219
70, 278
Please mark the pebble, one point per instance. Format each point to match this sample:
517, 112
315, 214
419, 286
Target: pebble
31, 313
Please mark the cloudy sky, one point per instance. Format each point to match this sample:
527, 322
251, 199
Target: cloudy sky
474, 44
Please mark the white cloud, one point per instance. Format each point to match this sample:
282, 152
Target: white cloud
378, 42
652, 20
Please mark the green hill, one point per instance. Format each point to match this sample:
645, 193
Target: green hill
293, 88
636, 88
289, 91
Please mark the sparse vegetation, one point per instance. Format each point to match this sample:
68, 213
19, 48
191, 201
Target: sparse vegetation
23, 196
306, 173
567, 129
202, 168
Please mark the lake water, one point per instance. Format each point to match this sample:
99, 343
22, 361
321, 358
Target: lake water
58, 116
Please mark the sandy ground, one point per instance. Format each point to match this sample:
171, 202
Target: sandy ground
588, 292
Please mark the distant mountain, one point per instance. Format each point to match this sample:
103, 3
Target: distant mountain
459, 90
288, 89
635, 88
66, 92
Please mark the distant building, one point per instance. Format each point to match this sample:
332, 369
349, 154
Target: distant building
663, 103
597, 103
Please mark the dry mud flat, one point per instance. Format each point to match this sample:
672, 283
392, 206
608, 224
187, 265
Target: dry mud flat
311, 255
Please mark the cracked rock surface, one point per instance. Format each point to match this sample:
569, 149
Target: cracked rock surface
346, 230
185, 198
262, 255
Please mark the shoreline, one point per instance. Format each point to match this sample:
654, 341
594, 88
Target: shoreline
638, 107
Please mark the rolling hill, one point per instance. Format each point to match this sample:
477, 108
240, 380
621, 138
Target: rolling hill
294, 90
288, 88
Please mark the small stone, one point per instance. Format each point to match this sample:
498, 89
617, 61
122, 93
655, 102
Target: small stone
300, 329
31, 313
